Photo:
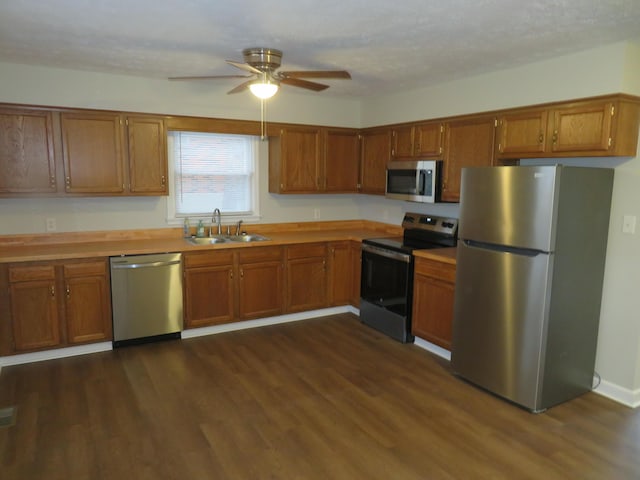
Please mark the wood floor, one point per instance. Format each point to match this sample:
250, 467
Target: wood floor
319, 399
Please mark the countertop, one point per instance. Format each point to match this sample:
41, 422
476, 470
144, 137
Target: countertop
445, 255
112, 243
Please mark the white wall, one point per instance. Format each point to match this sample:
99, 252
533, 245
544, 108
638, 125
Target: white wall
609, 69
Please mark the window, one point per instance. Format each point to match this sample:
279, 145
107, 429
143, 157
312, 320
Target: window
211, 170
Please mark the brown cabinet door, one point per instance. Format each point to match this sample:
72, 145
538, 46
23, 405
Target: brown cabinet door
87, 302
294, 161
342, 161
584, 128
468, 143
376, 152
147, 156
428, 138
433, 310
402, 142
209, 296
341, 273
522, 133
306, 284
34, 307
92, 149
27, 161
260, 290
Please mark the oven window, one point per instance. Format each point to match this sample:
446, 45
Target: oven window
385, 282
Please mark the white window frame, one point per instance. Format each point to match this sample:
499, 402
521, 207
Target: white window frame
174, 218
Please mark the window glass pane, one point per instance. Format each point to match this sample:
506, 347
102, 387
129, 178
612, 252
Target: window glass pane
213, 171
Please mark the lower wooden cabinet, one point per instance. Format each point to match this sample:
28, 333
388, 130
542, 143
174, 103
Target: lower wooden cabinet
433, 295
260, 283
209, 288
56, 304
306, 277
344, 269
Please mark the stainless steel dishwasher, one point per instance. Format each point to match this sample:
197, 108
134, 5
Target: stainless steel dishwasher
146, 297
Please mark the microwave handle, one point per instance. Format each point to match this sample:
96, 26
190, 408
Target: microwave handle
420, 179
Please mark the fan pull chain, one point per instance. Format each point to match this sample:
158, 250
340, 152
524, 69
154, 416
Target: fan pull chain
263, 127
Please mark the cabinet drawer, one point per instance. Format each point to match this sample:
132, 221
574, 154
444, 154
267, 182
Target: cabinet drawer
204, 259
306, 250
259, 254
85, 269
435, 269
34, 272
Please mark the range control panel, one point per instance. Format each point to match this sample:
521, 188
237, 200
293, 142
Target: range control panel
422, 221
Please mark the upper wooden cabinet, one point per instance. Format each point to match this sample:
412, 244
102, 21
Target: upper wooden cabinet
599, 127
27, 159
109, 153
341, 169
81, 153
93, 153
422, 140
313, 159
375, 153
148, 166
468, 143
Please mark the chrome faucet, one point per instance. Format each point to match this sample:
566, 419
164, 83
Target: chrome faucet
238, 227
218, 215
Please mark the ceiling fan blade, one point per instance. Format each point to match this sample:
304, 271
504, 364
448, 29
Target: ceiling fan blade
209, 77
244, 66
240, 88
297, 82
316, 74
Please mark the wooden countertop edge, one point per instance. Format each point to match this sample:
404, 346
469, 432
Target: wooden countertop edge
136, 242
444, 255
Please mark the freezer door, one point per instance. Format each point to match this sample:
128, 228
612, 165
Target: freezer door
500, 323
513, 206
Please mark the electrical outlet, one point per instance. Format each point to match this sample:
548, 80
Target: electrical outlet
50, 225
629, 224
316, 213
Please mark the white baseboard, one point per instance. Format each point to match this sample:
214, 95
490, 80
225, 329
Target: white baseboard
435, 349
55, 353
629, 398
261, 322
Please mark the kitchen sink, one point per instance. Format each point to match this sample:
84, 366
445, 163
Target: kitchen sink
226, 238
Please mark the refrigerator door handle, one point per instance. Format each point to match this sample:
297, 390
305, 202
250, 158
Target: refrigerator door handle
528, 252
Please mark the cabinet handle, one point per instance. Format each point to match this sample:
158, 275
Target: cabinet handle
68, 291
67, 181
52, 289
555, 136
241, 273
163, 181
52, 180
541, 138
231, 274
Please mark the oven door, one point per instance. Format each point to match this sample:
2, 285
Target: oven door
385, 290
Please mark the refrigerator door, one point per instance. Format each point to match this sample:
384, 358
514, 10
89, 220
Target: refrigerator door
512, 206
500, 321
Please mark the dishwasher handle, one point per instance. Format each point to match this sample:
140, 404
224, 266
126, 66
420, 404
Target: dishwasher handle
125, 265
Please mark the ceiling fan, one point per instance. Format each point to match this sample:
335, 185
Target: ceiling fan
262, 64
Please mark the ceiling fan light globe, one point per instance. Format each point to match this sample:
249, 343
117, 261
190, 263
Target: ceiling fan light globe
263, 90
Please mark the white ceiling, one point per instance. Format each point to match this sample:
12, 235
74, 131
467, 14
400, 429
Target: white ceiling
386, 45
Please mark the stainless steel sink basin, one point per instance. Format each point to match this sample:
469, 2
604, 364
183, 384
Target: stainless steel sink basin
206, 240
226, 238
247, 238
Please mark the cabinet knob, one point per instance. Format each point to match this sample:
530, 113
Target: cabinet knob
52, 180
555, 136
163, 180
541, 138
52, 290
68, 291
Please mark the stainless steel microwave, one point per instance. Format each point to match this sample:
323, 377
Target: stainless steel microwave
414, 180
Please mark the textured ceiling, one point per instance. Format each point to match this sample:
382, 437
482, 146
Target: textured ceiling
386, 45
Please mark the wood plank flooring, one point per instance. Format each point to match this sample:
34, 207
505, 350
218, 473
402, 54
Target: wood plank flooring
320, 399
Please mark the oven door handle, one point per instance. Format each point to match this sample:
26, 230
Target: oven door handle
383, 252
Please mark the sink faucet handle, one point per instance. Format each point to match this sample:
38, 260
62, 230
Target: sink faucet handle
238, 227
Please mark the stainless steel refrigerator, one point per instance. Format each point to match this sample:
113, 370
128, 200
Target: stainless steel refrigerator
530, 267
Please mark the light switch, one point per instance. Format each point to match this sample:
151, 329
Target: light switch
629, 224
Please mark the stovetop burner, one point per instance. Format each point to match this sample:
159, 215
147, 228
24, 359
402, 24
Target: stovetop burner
421, 232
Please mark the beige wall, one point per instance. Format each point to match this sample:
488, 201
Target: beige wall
613, 68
